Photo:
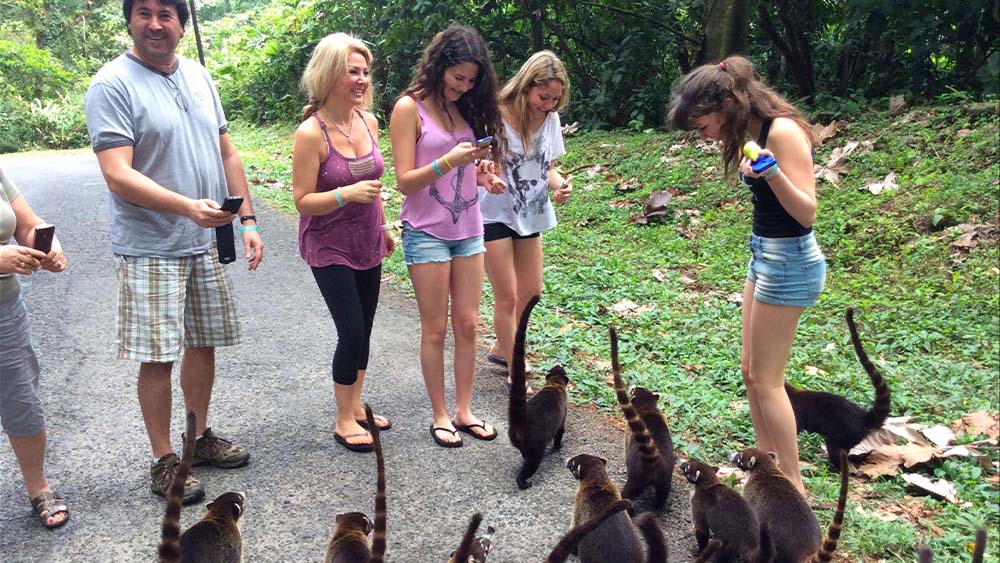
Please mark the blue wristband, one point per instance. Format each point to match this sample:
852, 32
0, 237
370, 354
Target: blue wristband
336, 193
436, 169
774, 170
249, 228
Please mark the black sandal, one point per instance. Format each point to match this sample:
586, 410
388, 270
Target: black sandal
442, 443
47, 505
364, 423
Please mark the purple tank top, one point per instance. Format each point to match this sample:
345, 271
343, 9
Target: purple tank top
448, 208
352, 235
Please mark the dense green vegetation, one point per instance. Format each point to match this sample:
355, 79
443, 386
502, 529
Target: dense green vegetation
623, 55
928, 311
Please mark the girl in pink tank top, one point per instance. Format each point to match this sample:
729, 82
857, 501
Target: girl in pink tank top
451, 102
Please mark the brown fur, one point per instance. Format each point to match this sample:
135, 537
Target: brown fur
841, 422
349, 543
216, 538
533, 423
649, 449
569, 542
720, 512
926, 555
473, 549
616, 539
170, 544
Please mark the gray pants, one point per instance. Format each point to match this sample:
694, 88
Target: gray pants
20, 410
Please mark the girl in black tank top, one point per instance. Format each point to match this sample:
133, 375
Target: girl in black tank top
728, 102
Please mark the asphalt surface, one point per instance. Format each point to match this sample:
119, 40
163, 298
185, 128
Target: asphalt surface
273, 394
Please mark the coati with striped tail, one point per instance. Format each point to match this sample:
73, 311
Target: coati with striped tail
216, 538
349, 543
473, 549
649, 449
841, 422
569, 542
532, 423
720, 512
778, 504
616, 539
927, 556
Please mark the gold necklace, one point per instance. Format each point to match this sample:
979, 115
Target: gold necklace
349, 132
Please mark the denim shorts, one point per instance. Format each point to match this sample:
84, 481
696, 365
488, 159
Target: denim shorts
421, 248
787, 271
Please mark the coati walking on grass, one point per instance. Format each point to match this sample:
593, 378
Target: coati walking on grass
216, 538
778, 504
720, 512
841, 422
349, 543
616, 539
533, 423
649, 449
473, 549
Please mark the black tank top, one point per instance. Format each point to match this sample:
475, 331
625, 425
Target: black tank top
769, 218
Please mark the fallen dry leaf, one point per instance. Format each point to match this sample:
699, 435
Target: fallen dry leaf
659, 276
889, 183
879, 464
897, 105
655, 206
813, 370
940, 436
628, 309
979, 422
821, 133
940, 488
830, 347
630, 185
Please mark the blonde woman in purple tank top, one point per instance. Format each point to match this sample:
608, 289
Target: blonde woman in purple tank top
451, 102
336, 166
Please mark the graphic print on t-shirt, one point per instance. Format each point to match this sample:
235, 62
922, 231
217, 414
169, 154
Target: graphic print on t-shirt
458, 204
522, 188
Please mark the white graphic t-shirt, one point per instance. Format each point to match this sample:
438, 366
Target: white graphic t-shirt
524, 206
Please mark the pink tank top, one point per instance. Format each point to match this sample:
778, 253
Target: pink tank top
448, 208
352, 235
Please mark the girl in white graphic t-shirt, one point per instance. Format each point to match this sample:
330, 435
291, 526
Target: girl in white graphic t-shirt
514, 219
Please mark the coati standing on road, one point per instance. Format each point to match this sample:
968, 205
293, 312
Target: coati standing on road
649, 449
532, 423
473, 549
216, 538
569, 542
841, 422
349, 543
616, 539
778, 504
720, 512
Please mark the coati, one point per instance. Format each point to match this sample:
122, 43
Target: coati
349, 543
841, 422
616, 539
216, 538
778, 504
649, 450
568, 542
532, 423
927, 556
720, 512
473, 549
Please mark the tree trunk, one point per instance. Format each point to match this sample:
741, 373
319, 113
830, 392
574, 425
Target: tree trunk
726, 26
793, 46
535, 11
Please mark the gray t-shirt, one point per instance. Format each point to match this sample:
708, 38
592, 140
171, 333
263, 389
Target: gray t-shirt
9, 284
525, 206
173, 122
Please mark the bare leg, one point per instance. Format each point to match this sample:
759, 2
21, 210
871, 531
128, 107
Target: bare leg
197, 379
528, 271
466, 290
154, 402
30, 454
358, 406
764, 441
347, 425
773, 329
430, 285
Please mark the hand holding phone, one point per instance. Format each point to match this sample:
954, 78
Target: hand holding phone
224, 234
484, 142
43, 237
232, 203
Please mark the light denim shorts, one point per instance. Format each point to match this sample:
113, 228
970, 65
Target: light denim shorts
787, 271
421, 248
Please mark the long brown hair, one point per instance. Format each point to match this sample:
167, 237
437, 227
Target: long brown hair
536, 71
734, 89
479, 106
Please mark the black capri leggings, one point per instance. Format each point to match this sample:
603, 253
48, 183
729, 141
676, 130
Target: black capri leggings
352, 297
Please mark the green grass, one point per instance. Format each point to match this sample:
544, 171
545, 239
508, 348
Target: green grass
927, 312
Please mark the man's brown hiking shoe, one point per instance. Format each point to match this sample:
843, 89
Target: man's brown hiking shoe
216, 451
162, 473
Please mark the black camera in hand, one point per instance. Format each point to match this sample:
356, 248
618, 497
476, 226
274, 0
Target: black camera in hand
224, 237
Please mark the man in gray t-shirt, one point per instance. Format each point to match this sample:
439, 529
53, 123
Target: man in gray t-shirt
157, 126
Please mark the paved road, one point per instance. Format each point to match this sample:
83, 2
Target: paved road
274, 395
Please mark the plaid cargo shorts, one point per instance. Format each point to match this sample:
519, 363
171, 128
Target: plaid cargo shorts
163, 302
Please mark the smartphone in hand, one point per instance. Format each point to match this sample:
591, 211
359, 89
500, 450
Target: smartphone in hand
224, 234
232, 203
43, 237
484, 142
